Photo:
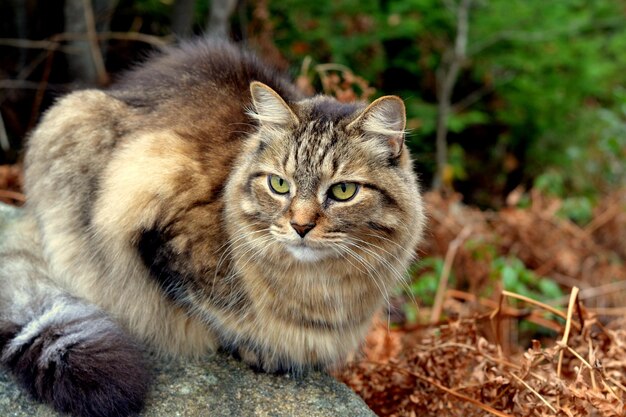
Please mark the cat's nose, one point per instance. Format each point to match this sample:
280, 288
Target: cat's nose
302, 229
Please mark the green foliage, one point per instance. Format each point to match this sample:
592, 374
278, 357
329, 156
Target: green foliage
426, 274
153, 6
339, 32
553, 67
551, 182
577, 209
456, 162
515, 277
507, 272
458, 122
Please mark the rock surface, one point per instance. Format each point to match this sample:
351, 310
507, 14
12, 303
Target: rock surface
214, 387
218, 387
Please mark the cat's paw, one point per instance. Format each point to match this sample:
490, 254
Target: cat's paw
265, 362
86, 366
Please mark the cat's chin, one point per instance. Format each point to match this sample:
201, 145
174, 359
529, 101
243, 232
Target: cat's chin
309, 254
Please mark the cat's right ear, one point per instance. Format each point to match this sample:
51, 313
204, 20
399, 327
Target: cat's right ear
269, 107
384, 120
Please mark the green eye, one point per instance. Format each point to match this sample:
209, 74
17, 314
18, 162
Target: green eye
343, 191
278, 185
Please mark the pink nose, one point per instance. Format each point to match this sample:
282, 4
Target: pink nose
302, 229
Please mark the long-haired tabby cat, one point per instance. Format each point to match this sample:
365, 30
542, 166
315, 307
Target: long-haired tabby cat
202, 202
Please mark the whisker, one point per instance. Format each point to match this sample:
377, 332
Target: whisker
229, 245
254, 243
409, 253
401, 278
340, 249
374, 273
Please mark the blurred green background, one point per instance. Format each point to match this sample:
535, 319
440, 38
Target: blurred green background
533, 91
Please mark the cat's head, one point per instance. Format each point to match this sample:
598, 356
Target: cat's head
321, 180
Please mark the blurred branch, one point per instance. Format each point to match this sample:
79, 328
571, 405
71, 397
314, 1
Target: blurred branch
55, 42
594, 292
17, 84
43, 85
4, 138
219, 18
445, 273
94, 45
158, 41
449, 4
34, 44
447, 75
81, 65
477, 95
472, 98
182, 17
23, 74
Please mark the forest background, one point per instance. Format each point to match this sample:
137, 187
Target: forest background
517, 118
533, 92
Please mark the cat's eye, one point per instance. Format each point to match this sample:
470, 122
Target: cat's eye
278, 184
343, 191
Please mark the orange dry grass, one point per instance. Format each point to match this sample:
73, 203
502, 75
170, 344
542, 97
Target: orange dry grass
452, 370
473, 365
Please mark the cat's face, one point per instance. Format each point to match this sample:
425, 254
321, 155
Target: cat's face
324, 180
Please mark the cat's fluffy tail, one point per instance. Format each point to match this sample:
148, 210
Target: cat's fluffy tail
66, 352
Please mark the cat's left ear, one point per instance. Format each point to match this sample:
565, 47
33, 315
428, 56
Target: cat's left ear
385, 119
269, 107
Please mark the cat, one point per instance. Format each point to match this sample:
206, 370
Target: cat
201, 203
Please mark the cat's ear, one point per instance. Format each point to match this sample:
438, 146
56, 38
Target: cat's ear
269, 107
384, 119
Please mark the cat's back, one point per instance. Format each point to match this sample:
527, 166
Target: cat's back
200, 85
197, 91
202, 82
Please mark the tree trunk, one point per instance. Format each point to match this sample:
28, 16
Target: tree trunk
182, 21
219, 18
87, 65
447, 75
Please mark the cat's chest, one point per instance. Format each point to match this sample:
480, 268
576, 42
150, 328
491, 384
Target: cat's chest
311, 295
304, 281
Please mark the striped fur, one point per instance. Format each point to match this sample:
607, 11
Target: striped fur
152, 203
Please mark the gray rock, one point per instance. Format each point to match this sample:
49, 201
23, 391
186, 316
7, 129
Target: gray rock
218, 386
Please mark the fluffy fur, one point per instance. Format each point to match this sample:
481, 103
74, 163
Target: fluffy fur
152, 215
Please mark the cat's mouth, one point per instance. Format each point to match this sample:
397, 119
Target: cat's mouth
307, 253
